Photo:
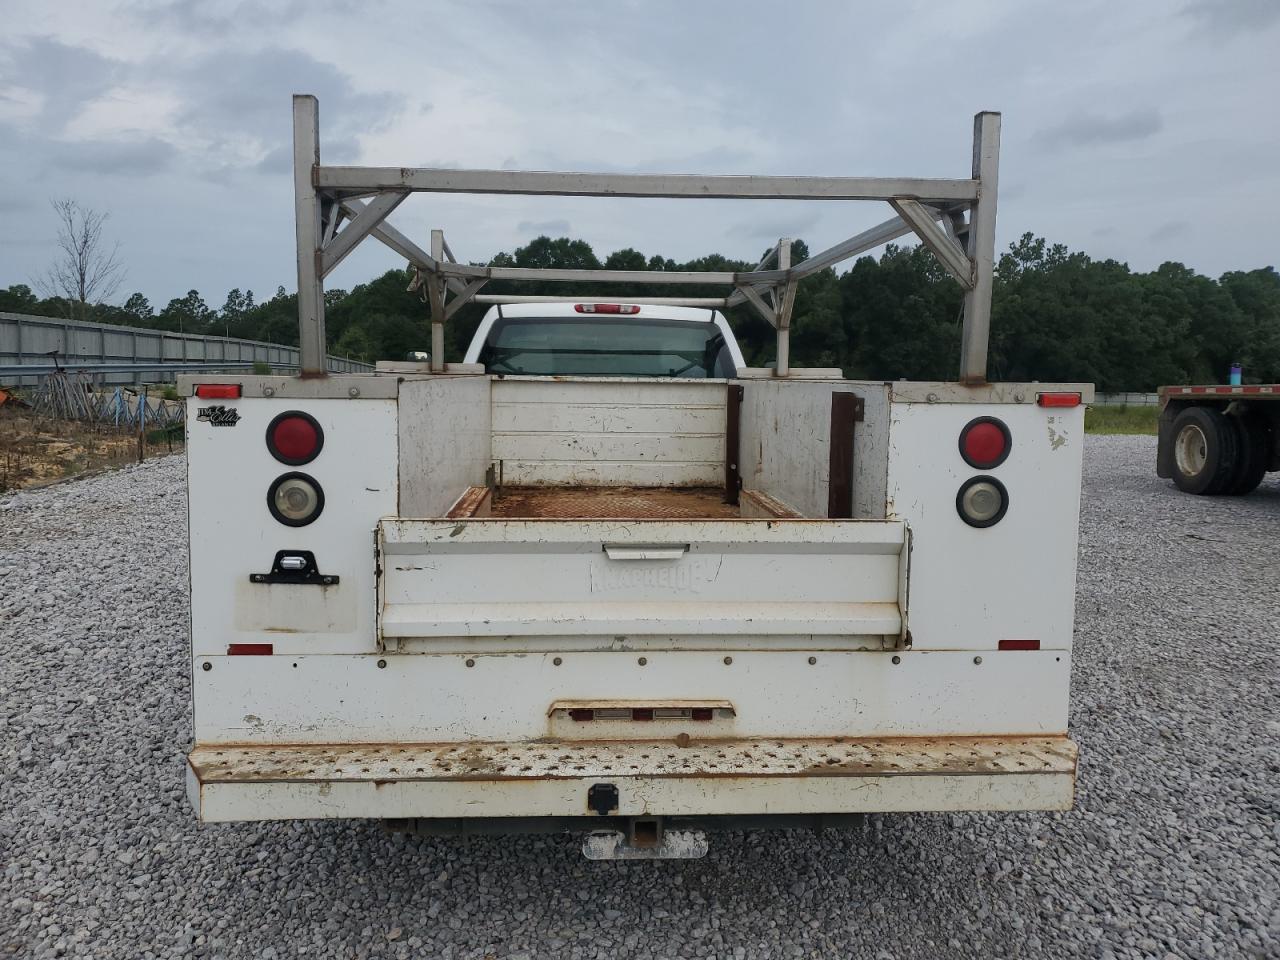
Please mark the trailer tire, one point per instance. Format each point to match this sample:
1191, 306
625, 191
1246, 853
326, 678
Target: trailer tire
1253, 438
1205, 451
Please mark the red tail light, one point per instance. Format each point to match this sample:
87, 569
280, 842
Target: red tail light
627, 308
1058, 399
985, 442
218, 391
250, 649
295, 437
1019, 644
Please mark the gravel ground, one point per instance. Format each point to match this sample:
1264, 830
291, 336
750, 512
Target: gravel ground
1171, 851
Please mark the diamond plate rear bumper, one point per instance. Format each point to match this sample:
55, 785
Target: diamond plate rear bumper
661, 778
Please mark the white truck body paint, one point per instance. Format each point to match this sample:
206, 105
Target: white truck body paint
563, 577
234, 535
436, 698
869, 646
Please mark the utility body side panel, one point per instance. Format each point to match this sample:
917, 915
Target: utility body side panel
234, 535
973, 587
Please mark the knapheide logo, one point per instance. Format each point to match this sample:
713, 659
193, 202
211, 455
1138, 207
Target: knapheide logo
218, 416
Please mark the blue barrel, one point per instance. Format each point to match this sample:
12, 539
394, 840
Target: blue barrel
1235, 374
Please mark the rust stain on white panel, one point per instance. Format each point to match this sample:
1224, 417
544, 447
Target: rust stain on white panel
541, 760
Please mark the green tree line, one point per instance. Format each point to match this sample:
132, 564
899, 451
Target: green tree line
1056, 315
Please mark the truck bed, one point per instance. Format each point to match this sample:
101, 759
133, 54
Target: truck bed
614, 503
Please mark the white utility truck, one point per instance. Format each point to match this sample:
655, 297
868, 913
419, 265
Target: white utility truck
603, 576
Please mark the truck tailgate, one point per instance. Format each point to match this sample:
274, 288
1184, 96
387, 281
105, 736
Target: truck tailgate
527, 578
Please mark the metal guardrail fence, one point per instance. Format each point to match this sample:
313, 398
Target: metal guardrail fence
134, 354
48, 366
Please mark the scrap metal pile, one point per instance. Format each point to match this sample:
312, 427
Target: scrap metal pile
71, 396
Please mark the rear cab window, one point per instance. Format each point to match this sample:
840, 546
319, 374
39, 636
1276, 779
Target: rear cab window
590, 346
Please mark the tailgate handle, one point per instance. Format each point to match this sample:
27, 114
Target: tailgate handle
649, 551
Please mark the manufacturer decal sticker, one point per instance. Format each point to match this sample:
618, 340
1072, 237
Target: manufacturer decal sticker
218, 416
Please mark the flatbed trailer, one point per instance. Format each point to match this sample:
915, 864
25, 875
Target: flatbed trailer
465, 601
1218, 439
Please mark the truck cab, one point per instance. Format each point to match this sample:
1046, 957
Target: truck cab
605, 339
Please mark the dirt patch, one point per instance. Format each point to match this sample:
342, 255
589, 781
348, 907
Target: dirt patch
614, 503
38, 450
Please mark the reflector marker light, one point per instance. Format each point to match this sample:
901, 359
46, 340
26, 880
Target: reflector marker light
1019, 644
218, 391
1058, 399
627, 308
250, 649
985, 443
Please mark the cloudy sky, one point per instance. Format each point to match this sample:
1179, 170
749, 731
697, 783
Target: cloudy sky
1141, 131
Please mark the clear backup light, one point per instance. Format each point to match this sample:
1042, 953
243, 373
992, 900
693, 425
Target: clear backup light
982, 501
295, 499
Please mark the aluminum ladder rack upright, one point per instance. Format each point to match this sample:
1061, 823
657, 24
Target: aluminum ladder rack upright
339, 206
